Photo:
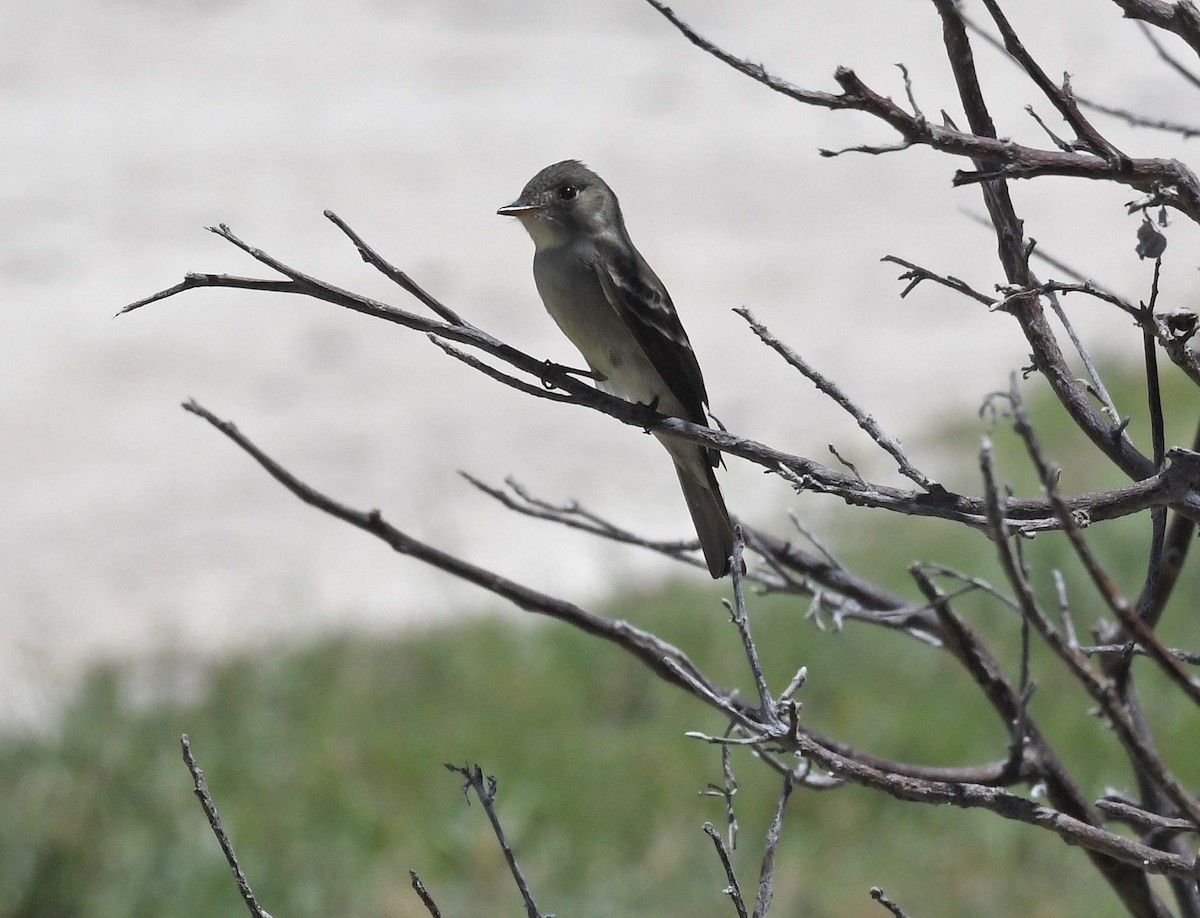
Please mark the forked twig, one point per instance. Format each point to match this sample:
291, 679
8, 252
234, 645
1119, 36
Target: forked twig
485, 791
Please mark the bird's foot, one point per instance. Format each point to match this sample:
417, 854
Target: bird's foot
550, 368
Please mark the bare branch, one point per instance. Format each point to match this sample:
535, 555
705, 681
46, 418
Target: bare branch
1097, 383
733, 890
766, 876
1181, 17
845, 596
485, 790
1061, 97
727, 791
1132, 118
1003, 803
1089, 287
868, 423
756, 72
1173, 331
406, 283
1191, 657
423, 893
1014, 256
1135, 119
574, 515
1180, 534
878, 896
915, 274
805, 473
741, 621
972, 582
869, 149
1054, 138
218, 829
667, 661
194, 281
672, 665
1108, 590
1170, 179
499, 375
1030, 754
1064, 610
1127, 812
908, 91
1101, 690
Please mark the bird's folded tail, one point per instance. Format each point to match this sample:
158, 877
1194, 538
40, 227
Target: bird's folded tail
710, 517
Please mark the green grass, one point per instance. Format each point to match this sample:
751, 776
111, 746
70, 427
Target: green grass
326, 761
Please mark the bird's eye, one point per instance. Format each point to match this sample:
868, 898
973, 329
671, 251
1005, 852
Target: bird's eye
566, 192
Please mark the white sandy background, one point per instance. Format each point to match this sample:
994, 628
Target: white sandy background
129, 529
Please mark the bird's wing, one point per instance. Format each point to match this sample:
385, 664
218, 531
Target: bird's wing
643, 304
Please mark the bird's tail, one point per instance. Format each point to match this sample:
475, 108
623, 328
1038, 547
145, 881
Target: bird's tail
709, 515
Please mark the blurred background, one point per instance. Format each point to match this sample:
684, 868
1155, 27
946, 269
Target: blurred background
129, 127
133, 534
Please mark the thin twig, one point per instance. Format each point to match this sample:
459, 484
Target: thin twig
574, 515
218, 829
878, 896
1011, 806
537, 391
1064, 610
1014, 252
373, 258
668, 661
675, 668
1128, 812
1175, 184
1060, 97
908, 91
1104, 584
915, 274
485, 790
1180, 535
1138, 120
1191, 657
976, 583
741, 620
1101, 690
1054, 138
766, 876
816, 542
1147, 602
1019, 726
423, 893
938, 503
1106, 400
1131, 118
729, 788
868, 423
1167, 58
732, 889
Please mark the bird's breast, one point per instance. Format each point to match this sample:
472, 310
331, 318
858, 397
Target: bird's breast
573, 296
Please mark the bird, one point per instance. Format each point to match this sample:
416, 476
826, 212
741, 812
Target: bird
611, 305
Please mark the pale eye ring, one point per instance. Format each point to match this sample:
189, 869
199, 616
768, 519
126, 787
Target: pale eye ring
567, 192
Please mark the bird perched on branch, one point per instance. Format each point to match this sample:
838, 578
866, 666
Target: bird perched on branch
615, 310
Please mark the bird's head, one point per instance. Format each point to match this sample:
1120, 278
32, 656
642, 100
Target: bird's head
564, 201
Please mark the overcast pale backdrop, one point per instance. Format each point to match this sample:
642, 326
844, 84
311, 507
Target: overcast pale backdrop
129, 528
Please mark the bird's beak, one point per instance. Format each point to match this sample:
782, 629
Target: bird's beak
518, 209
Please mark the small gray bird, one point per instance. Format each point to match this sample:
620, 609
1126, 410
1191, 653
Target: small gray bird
608, 301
